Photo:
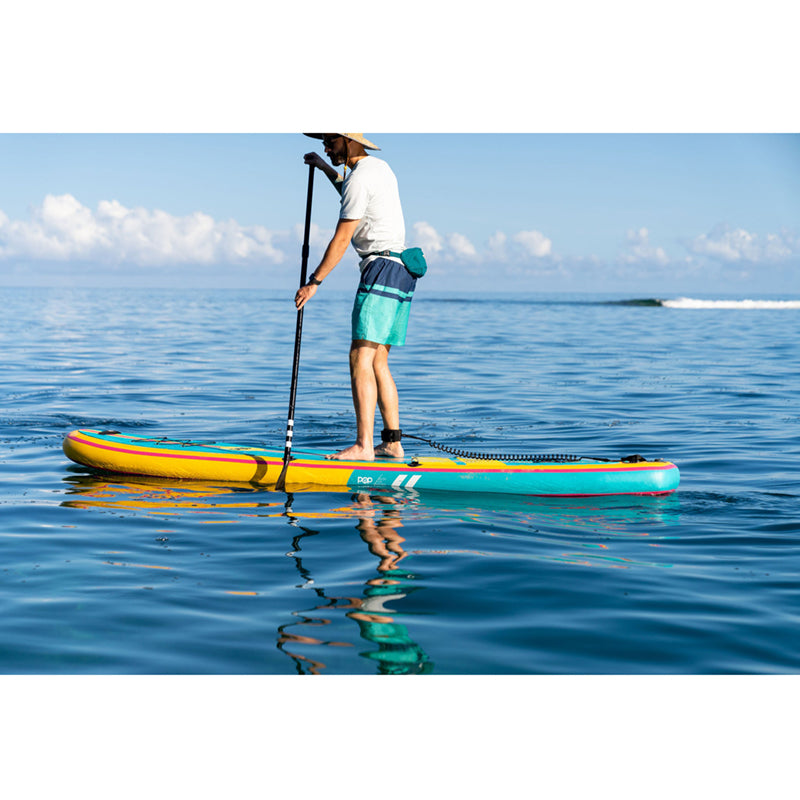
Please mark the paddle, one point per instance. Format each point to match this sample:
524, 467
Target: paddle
280, 484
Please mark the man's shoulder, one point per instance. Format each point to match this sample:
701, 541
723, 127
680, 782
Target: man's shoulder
372, 164
371, 176
373, 169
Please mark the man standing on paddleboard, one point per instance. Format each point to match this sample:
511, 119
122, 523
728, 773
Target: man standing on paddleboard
371, 218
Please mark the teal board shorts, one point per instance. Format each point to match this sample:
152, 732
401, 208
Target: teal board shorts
383, 302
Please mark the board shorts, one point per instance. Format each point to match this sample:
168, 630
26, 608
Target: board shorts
383, 302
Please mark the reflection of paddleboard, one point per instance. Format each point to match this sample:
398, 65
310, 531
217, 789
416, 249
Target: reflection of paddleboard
112, 451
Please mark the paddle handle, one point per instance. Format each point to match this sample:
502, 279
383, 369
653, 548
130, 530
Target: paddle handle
280, 484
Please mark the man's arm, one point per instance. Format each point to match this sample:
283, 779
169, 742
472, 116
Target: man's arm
333, 176
337, 247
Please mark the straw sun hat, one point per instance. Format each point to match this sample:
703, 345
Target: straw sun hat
356, 137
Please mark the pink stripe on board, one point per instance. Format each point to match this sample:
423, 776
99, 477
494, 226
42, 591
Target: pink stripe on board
372, 466
240, 460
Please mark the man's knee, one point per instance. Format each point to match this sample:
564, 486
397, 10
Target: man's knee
361, 349
362, 354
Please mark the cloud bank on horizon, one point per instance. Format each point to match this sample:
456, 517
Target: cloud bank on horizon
64, 230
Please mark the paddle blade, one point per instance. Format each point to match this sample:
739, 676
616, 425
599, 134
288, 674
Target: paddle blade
280, 484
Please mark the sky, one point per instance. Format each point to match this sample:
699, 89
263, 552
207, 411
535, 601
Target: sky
654, 213
584, 148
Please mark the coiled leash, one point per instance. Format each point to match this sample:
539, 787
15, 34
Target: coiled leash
395, 435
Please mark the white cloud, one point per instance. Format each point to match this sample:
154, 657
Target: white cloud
534, 243
461, 246
458, 247
639, 250
426, 237
497, 246
732, 245
62, 229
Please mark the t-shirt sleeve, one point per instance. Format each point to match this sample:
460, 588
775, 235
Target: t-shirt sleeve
354, 200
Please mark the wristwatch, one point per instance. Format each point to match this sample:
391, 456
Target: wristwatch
313, 280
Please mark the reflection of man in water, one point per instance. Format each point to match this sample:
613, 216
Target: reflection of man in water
397, 653
382, 538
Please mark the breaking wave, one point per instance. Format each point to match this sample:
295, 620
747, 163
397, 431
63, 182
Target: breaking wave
694, 303
690, 302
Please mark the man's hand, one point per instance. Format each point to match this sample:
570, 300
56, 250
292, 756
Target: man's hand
316, 159
304, 294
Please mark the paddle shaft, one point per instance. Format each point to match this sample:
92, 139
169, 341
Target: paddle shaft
280, 485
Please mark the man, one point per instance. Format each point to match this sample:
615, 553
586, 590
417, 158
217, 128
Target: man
371, 218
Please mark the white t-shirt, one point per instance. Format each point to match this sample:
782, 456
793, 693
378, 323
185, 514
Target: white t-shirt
370, 193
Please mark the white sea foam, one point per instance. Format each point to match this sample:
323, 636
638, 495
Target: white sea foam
690, 302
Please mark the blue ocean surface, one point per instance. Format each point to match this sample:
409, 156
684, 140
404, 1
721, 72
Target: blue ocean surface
103, 574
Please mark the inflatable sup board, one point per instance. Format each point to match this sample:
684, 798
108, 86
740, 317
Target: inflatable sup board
112, 451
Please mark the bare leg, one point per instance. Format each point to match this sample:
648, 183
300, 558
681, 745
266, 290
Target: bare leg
365, 395
371, 382
388, 401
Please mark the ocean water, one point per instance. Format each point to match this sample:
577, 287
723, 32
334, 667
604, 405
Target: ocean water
106, 574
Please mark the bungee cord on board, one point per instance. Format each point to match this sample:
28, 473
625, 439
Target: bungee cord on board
516, 457
541, 458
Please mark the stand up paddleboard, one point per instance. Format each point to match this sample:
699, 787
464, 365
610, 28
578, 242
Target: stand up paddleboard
556, 476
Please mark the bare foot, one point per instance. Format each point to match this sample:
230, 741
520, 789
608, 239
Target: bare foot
390, 450
353, 453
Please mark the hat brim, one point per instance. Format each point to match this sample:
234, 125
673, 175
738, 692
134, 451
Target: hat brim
355, 137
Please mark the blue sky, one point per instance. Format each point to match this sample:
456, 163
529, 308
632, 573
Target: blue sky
617, 147
652, 213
